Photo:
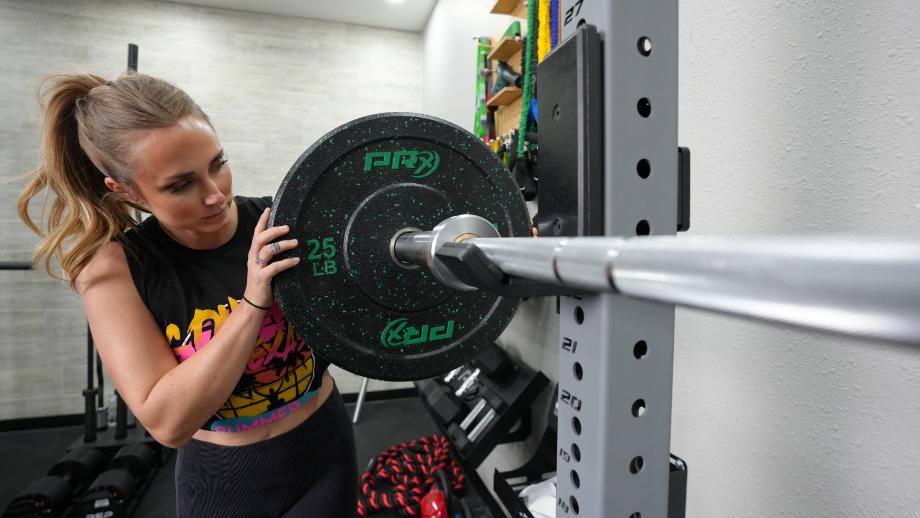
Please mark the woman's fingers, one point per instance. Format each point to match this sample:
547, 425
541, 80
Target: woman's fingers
262, 234
261, 252
260, 227
267, 252
267, 236
262, 223
279, 266
265, 248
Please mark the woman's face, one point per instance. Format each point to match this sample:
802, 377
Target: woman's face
182, 176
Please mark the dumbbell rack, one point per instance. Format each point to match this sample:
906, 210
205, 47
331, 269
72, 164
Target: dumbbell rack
541, 466
104, 473
111, 440
91, 481
512, 398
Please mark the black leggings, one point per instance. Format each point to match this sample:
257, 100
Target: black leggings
309, 471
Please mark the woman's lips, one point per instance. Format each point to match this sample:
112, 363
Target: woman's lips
215, 215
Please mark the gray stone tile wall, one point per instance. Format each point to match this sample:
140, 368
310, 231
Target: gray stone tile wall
271, 85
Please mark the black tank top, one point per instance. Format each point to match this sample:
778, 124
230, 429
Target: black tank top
191, 292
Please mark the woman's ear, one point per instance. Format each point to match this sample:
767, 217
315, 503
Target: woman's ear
113, 186
126, 192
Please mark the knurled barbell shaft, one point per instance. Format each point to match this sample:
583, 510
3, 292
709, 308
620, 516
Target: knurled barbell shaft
867, 287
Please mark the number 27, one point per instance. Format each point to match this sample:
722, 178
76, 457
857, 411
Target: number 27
573, 11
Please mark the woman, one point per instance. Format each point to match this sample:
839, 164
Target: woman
181, 307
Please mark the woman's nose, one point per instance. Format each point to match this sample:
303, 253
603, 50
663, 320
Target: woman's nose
214, 196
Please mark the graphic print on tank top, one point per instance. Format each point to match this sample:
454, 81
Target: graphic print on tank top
278, 378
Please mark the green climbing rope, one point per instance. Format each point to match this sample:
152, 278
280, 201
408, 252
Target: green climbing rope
527, 80
479, 123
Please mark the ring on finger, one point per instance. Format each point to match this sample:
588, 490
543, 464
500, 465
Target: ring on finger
276, 248
259, 259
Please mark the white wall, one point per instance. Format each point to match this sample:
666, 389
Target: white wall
802, 118
449, 57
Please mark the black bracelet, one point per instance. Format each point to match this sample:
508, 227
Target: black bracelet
253, 304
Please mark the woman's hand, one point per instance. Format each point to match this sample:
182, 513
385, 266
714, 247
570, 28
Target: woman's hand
260, 268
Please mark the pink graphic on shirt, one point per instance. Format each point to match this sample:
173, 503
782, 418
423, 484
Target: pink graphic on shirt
277, 378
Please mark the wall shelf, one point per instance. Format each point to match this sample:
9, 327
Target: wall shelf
516, 8
505, 96
506, 48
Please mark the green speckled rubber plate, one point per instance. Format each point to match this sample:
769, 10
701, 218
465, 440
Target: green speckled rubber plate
344, 199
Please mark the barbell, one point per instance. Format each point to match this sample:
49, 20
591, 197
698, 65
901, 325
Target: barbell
415, 249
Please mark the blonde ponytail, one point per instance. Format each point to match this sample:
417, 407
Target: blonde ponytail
86, 128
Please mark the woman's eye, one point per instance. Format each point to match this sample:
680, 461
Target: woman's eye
179, 187
220, 165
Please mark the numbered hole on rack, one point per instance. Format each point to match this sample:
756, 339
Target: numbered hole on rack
635, 515
636, 465
578, 371
576, 425
645, 45
575, 480
574, 503
638, 408
640, 350
643, 168
579, 315
643, 228
644, 106
576, 452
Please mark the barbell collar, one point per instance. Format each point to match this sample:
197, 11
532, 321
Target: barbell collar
420, 248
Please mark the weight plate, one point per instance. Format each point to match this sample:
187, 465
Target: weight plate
344, 199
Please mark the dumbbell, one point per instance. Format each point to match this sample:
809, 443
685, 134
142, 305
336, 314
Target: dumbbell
109, 495
47, 497
137, 458
51, 495
79, 466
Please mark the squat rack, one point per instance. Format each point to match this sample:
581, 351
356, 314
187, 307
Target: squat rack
624, 347
616, 351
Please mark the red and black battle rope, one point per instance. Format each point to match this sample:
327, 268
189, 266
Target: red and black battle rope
399, 477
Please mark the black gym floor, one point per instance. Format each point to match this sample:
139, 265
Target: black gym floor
28, 454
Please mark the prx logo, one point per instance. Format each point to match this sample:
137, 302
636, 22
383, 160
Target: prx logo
422, 163
399, 333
